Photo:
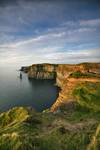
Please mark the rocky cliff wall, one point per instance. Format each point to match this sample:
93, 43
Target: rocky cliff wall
61, 73
42, 71
64, 70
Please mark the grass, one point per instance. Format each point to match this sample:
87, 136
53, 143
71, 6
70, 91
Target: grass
47, 131
79, 74
88, 95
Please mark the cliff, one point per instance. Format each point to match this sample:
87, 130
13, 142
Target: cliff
42, 71
67, 77
25, 69
57, 71
71, 76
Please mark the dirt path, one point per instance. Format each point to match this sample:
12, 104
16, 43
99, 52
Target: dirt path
83, 79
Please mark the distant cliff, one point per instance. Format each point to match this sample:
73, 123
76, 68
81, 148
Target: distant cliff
42, 71
66, 76
52, 71
25, 69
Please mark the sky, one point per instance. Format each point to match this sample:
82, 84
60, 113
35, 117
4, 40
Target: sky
49, 31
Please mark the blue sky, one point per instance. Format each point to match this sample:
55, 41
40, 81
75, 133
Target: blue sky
49, 31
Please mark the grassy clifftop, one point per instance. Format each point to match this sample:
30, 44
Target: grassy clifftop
87, 94
71, 128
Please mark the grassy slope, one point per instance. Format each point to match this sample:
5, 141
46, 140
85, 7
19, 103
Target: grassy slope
88, 95
70, 129
79, 74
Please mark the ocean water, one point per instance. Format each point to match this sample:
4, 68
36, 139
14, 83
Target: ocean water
39, 94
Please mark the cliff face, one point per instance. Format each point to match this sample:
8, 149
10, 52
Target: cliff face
60, 71
67, 77
42, 71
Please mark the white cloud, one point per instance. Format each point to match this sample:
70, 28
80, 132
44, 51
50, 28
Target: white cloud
91, 22
49, 55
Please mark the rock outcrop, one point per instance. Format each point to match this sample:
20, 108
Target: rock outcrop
42, 71
25, 69
59, 71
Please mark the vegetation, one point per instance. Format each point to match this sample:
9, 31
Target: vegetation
66, 130
79, 74
88, 95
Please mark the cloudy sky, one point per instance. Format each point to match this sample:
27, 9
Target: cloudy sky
49, 31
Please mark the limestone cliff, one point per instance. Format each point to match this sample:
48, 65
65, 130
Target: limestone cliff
67, 76
42, 71
59, 71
